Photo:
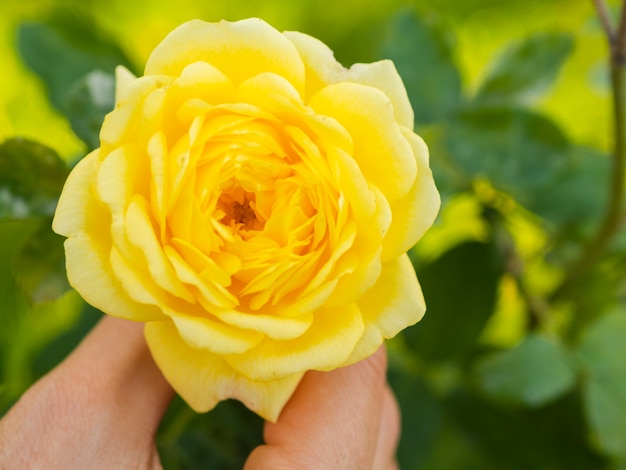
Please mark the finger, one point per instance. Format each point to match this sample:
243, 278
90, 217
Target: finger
112, 369
388, 434
98, 408
331, 422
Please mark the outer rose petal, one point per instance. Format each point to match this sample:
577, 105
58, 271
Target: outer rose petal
87, 255
394, 303
322, 69
415, 213
203, 378
380, 149
240, 50
325, 346
123, 78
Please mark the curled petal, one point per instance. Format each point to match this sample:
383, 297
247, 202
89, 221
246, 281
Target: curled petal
322, 69
240, 50
212, 335
326, 344
203, 378
395, 302
382, 152
87, 256
416, 212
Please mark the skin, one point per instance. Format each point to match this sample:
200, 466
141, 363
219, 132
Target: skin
109, 394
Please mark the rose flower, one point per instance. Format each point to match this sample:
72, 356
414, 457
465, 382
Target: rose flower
252, 201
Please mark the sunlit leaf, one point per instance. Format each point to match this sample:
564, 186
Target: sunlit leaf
422, 50
526, 69
532, 374
602, 352
460, 289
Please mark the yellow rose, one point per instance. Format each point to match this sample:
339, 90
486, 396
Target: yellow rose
252, 201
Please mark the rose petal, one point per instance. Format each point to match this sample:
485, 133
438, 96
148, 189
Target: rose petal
326, 344
392, 304
322, 69
416, 212
211, 335
123, 78
88, 266
239, 50
203, 378
382, 152
276, 327
384, 76
141, 234
122, 124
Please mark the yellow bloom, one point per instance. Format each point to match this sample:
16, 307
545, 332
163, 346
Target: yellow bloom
252, 202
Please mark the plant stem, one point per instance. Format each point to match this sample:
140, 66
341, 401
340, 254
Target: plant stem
612, 217
605, 19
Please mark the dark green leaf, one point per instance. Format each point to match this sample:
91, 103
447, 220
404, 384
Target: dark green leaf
602, 352
460, 290
422, 51
518, 151
40, 265
31, 179
12, 302
88, 101
59, 348
526, 70
578, 191
520, 440
221, 439
421, 419
532, 374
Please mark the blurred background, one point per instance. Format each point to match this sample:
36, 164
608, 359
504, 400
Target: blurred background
520, 360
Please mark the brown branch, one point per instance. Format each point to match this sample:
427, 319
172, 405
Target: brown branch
613, 215
605, 19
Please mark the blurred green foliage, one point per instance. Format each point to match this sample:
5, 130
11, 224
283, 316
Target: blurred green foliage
506, 371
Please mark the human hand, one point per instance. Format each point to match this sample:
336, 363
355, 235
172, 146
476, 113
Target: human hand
101, 407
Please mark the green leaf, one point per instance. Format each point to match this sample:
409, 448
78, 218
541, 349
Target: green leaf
54, 351
422, 417
602, 351
90, 99
12, 302
546, 439
40, 265
221, 439
422, 50
577, 193
532, 374
460, 289
31, 178
526, 69
76, 63
64, 50
518, 151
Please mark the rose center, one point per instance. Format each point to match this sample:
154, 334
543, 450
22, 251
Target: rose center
239, 210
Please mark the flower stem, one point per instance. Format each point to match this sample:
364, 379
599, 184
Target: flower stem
612, 217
